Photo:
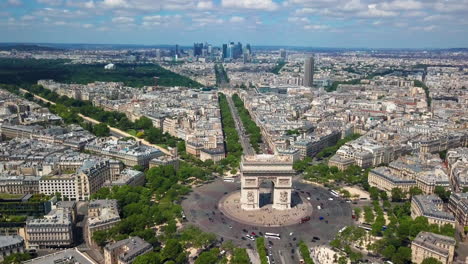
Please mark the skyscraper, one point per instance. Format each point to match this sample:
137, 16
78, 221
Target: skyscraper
283, 54
309, 72
197, 49
176, 49
224, 51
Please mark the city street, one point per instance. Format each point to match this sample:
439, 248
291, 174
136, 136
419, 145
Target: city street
244, 139
201, 209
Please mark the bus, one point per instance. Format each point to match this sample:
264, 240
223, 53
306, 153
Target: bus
272, 235
342, 229
334, 193
229, 179
366, 227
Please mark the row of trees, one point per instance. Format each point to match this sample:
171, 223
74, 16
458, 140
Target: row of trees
233, 146
29, 71
304, 250
330, 151
250, 126
418, 83
69, 108
221, 75
278, 67
260, 243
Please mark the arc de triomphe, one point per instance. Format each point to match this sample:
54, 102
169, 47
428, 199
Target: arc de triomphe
258, 168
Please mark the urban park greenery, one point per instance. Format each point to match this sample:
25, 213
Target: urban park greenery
233, 146
250, 126
29, 71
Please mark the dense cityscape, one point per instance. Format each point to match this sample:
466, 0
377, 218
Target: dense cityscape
232, 152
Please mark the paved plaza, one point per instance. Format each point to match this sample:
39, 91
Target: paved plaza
266, 215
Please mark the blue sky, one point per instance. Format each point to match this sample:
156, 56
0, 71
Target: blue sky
314, 23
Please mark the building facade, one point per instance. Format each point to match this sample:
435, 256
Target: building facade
430, 245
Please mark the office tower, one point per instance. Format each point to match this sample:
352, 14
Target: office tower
210, 49
176, 49
245, 57
237, 50
224, 51
249, 49
283, 54
309, 72
197, 49
230, 50
158, 54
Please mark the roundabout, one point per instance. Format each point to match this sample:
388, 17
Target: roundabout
202, 208
266, 216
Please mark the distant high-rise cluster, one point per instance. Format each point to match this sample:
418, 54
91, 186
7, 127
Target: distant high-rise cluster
309, 72
283, 54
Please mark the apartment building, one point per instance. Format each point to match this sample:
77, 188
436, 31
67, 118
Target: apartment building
54, 230
102, 215
431, 207
125, 251
430, 245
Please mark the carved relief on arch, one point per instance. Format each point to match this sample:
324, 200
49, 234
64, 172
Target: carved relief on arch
283, 181
283, 197
250, 196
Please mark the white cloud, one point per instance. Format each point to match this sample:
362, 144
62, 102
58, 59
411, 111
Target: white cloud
299, 20
268, 5
204, 5
374, 11
15, 2
50, 2
28, 18
402, 5
88, 26
123, 20
237, 19
316, 27
115, 3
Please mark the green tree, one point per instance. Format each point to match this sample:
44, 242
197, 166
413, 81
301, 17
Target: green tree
304, 250
208, 257
148, 258
16, 258
383, 195
138, 168
431, 261
415, 191
402, 256
389, 251
172, 250
374, 193
368, 215
442, 193
397, 195
101, 130
260, 243
240, 256
143, 123
357, 212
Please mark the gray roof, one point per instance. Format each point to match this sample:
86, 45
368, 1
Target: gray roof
68, 256
6, 241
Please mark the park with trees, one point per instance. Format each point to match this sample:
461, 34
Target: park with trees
26, 72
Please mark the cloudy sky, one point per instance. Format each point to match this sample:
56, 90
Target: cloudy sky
314, 23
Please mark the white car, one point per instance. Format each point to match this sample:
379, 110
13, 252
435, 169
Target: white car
308, 198
330, 199
291, 233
